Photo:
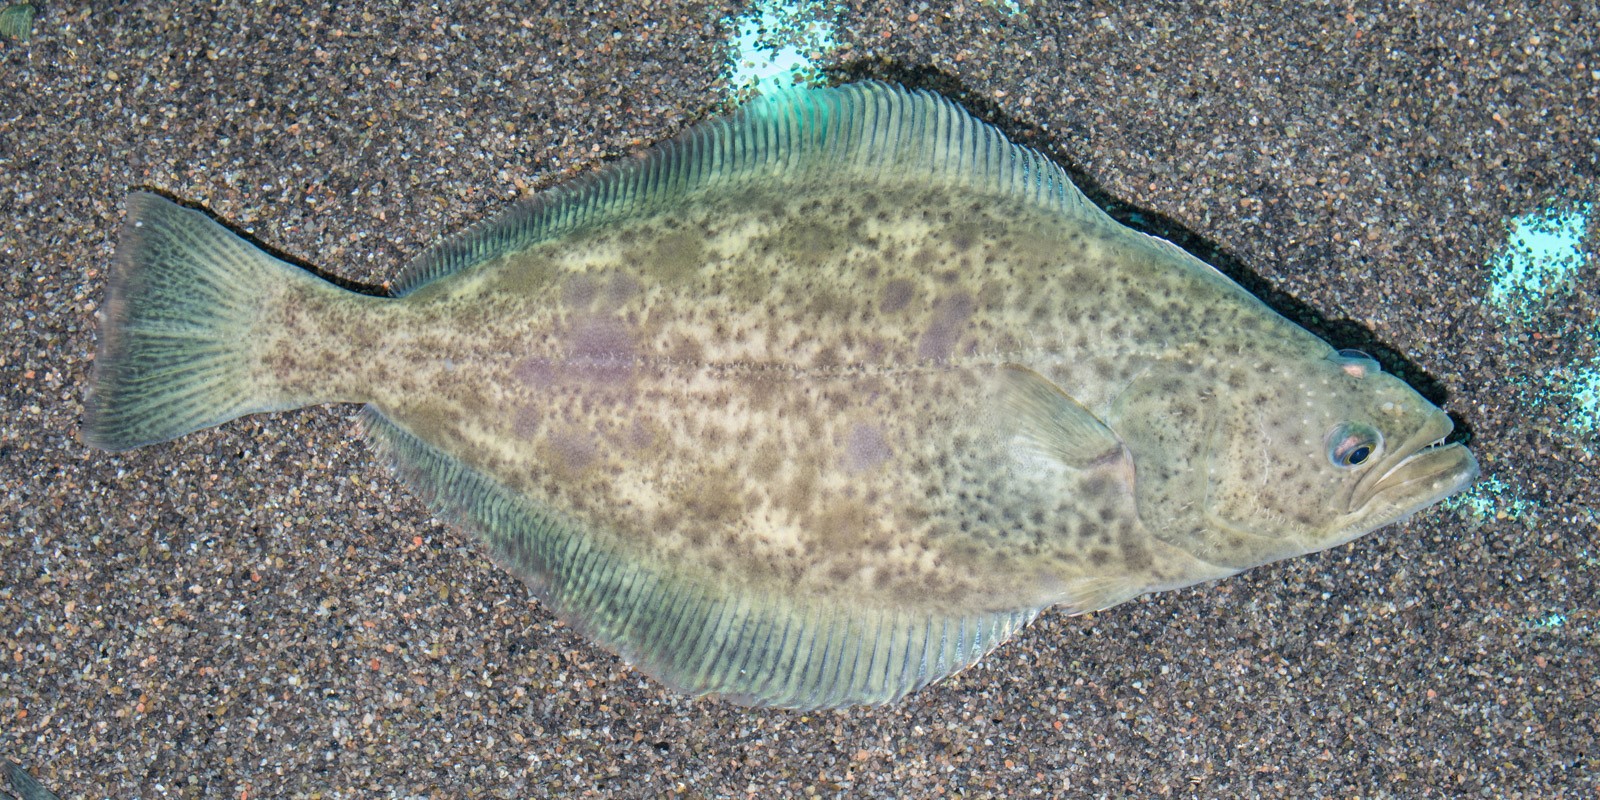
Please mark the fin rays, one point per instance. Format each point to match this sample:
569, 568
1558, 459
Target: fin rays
174, 356
756, 648
872, 132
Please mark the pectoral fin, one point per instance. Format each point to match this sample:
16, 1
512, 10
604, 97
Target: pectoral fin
1045, 422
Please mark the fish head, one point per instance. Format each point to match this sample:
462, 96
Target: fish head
1306, 454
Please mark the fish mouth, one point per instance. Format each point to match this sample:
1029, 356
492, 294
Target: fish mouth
1422, 471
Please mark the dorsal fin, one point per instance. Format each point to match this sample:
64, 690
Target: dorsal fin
864, 132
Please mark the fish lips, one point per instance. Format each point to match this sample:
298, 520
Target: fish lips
1421, 472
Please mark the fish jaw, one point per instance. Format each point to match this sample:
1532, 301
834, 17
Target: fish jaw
1418, 473
1422, 471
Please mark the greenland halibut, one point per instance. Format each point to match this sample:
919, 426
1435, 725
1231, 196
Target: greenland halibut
810, 407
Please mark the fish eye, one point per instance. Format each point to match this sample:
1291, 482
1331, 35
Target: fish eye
1352, 444
1355, 363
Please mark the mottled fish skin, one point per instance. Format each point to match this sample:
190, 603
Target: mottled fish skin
793, 397
884, 393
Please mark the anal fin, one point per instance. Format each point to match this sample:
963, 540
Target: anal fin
761, 648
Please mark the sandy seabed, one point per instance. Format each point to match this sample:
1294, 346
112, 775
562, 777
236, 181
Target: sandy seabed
261, 611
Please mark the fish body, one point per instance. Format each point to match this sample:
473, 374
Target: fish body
808, 408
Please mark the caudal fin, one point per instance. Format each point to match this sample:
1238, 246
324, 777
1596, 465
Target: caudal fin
177, 328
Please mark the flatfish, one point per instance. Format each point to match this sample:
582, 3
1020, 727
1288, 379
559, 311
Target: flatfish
809, 407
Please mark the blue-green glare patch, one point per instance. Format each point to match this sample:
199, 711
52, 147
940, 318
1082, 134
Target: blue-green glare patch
1551, 620
1540, 260
1576, 622
778, 44
1543, 254
1491, 498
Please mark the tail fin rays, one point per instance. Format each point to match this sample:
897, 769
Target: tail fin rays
178, 328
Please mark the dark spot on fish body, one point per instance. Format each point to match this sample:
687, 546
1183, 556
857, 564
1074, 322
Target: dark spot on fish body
963, 235
759, 390
666, 518
579, 290
1183, 412
994, 298
1042, 314
600, 337
798, 495
949, 317
871, 387
747, 287
826, 358
523, 274
571, 452
380, 373
687, 350
1135, 555
712, 436
811, 243
527, 421
295, 379
981, 520
619, 290
537, 372
1233, 543
474, 401
866, 449
673, 258
765, 462
825, 304
712, 501
884, 580
841, 573
844, 526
